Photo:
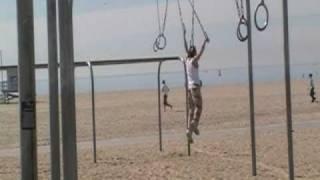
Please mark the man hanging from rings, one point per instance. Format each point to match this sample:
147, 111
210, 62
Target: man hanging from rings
192, 67
194, 86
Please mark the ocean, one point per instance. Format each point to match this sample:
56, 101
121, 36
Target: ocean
210, 77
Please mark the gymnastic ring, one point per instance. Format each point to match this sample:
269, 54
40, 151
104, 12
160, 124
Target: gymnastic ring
265, 25
242, 22
207, 37
155, 48
161, 41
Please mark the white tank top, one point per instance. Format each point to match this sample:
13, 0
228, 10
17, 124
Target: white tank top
311, 83
192, 73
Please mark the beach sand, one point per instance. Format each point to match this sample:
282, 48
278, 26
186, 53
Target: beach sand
128, 142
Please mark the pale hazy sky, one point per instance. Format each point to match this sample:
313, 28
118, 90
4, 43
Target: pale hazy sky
107, 29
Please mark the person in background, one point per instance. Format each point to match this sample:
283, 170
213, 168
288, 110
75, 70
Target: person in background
165, 90
312, 89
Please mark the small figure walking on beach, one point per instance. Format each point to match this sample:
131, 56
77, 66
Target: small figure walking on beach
194, 86
165, 90
312, 89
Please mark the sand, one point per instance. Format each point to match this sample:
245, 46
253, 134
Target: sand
127, 133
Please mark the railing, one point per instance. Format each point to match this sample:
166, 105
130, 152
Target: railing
7, 86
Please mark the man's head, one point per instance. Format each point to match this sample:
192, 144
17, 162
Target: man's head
310, 75
192, 52
163, 81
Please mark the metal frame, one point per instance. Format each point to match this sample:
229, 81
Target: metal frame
187, 106
27, 98
252, 120
287, 84
90, 65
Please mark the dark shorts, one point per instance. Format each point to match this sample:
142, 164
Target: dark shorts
165, 99
312, 93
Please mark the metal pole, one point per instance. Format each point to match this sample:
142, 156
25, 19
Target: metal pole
53, 89
159, 108
187, 103
288, 87
159, 104
1, 64
27, 101
251, 92
93, 113
70, 166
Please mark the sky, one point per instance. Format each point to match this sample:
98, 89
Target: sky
112, 29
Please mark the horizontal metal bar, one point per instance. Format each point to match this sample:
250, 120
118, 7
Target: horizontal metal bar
107, 62
127, 61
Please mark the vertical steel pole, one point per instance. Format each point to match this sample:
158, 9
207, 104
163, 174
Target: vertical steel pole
187, 103
251, 91
93, 113
27, 92
53, 89
159, 108
288, 87
1, 64
68, 108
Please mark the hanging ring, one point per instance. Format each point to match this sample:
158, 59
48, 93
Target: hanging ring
155, 49
262, 5
207, 37
242, 22
161, 42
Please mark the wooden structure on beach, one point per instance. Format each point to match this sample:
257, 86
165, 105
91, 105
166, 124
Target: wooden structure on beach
9, 87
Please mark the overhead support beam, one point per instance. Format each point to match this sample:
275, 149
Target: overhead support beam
160, 60
106, 62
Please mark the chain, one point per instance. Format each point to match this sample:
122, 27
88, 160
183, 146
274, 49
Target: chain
192, 27
240, 8
199, 21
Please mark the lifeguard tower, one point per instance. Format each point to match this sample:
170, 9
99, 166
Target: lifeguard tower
9, 87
